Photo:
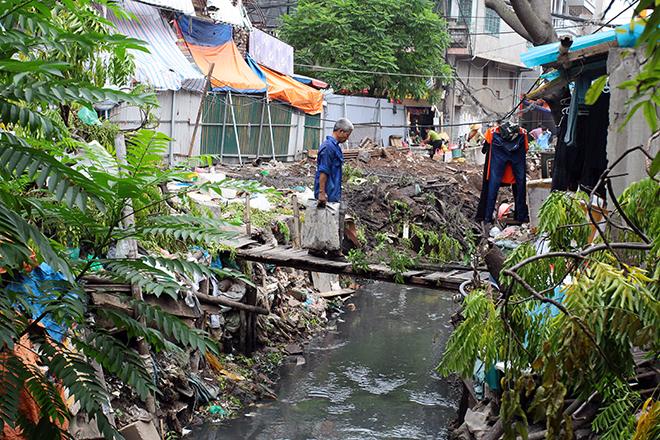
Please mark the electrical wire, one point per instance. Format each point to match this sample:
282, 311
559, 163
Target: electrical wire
375, 72
615, 17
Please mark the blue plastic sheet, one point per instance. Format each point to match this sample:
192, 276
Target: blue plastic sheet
204, 33
33, 285
626, 36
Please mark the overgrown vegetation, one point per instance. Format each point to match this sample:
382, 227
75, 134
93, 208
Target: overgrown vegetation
58, 192
566, 322
358, 260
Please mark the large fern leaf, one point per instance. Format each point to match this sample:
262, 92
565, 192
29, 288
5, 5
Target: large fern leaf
12, 375
78, 375
68, 185
150, 279
49, 92
19, 238
188, 228
191, 268
174, 328
118, 359
134, 329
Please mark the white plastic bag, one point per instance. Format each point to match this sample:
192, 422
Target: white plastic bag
320, 230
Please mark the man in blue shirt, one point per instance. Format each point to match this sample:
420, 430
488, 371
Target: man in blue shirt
330, 160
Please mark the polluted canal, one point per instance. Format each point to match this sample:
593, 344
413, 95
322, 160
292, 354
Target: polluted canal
371, 378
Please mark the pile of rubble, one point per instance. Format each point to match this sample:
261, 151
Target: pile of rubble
437, 196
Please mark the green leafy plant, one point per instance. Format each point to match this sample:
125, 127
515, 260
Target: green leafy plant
56, 190
358, 260
350, 173
362, 235
440, 248
284, 230
399, 263
567, 322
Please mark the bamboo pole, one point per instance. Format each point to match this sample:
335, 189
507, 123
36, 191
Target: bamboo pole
201, 106
218, 300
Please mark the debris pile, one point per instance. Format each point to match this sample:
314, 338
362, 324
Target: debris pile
390, 193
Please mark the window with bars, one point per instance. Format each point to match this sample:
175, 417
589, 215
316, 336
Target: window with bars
492, 23
465, 12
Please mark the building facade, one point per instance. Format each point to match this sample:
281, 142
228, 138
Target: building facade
485, 55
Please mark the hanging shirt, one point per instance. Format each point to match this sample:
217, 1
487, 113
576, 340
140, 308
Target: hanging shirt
329, 161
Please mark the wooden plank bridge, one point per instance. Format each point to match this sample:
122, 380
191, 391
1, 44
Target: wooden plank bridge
442, 277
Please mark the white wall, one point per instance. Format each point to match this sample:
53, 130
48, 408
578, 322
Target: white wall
186, 105
296, 136
379, 114
636, 131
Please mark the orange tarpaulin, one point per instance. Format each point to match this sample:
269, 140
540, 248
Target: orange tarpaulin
287, 89
231, 72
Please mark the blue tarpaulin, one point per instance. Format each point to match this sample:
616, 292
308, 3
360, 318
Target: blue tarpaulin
625, 36
204, 33
42, 285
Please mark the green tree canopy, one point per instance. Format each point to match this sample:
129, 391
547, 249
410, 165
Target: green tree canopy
395, 36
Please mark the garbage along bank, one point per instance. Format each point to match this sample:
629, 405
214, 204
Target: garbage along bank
196, 388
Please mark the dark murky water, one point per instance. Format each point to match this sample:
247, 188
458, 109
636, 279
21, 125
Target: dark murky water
372, 378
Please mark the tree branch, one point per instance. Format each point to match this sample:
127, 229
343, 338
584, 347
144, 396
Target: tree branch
536, 20
509, 16
582, 255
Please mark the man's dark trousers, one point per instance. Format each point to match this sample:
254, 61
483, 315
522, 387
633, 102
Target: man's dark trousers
499, 158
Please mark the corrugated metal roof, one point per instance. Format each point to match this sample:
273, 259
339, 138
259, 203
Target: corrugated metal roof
185, 6
165, 67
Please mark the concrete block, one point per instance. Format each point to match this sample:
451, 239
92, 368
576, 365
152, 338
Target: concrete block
537, 192
140, 430
474, 155
325, 282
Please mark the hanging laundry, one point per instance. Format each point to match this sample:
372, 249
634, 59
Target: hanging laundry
509, 145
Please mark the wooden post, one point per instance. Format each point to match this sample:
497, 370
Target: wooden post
251, 321
246, 216
132, 252
295, 234
199, 110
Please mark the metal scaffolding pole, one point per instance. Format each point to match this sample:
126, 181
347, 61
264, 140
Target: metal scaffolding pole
233, 119
270, 125
261, 128
224, 129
